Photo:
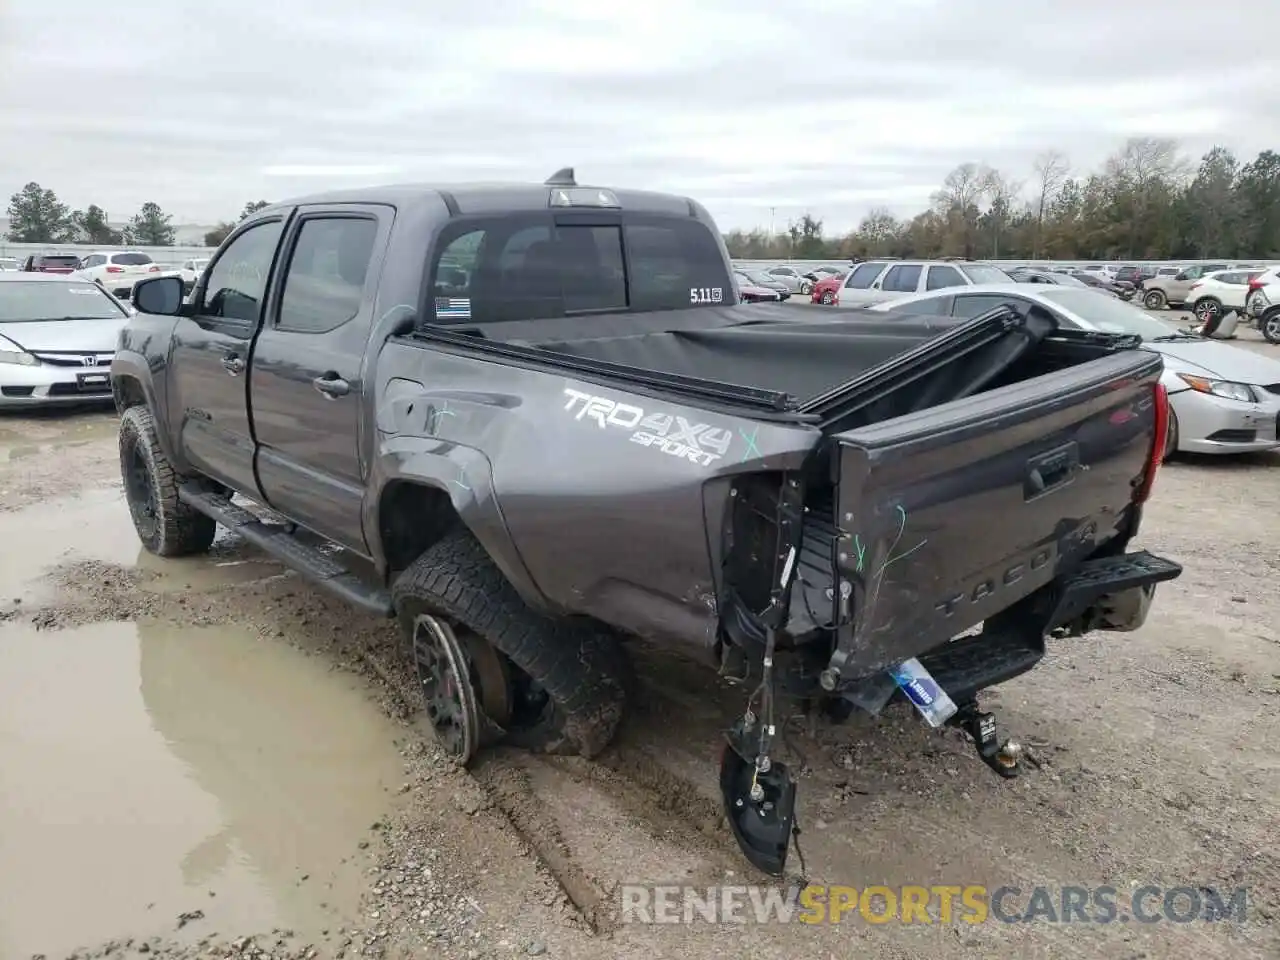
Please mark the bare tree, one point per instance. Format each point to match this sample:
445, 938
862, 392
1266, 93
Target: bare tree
959, 201
1051, 170
1002, 192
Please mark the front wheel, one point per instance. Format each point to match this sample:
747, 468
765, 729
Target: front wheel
828, 298
1270, 326
166, 526
1155, 300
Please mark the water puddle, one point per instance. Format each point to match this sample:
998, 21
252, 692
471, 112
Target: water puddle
150, 770
96, 526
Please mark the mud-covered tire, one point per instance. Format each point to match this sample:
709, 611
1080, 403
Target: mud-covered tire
166, 526
581, 665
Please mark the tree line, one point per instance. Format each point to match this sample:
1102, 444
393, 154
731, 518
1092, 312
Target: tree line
36, 215
1149, 201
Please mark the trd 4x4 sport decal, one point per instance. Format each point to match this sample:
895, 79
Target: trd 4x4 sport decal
674, 435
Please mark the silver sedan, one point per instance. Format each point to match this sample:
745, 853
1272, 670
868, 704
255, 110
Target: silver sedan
57, 339
1224, 399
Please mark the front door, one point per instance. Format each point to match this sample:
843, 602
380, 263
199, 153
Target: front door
307, 377
209, 359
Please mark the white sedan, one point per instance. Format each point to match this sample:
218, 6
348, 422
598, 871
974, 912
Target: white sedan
1224, 399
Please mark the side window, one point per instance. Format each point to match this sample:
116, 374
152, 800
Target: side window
968, 306
904, 278
324, 281
929, 307
783, 272
96, 260
672, 262
941, 277
239, 277
863, 276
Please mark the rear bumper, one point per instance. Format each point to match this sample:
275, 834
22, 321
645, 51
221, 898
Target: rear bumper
1110, 593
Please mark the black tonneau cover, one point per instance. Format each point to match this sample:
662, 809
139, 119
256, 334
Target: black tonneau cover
779, 349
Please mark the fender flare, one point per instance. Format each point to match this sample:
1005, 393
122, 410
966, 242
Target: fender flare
131, 365
465, 476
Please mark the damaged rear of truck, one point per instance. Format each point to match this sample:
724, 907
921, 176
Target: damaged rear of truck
549, 426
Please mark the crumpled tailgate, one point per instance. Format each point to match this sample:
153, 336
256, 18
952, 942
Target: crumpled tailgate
953, 514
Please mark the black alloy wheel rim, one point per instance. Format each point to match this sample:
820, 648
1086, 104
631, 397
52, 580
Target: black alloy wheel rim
448, 696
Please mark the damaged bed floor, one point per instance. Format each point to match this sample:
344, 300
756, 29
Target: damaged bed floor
211, 758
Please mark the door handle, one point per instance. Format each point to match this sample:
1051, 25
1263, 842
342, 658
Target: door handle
331, 385
233, 364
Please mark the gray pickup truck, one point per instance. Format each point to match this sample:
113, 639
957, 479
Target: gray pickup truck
538, 417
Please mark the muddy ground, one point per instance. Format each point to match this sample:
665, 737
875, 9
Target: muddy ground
211, 758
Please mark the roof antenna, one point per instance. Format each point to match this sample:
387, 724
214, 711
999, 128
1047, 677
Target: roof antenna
562, 178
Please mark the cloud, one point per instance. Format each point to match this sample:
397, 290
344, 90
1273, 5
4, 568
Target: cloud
762, 111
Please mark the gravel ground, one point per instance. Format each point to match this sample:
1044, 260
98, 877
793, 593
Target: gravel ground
1154, 761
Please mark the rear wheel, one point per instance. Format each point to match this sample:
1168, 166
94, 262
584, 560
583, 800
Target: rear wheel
1254, 303
805, 286
1207, 309
491, 668
1154, 300
165, 525
828, 297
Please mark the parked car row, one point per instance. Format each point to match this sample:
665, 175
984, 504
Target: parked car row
116, 271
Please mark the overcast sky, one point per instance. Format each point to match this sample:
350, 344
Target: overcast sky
832, 107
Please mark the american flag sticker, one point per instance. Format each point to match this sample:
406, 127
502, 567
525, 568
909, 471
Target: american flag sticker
453, 308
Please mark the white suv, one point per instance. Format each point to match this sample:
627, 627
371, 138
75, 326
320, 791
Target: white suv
879, 280
117, 271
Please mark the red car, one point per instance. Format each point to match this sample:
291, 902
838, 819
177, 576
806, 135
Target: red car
827, 291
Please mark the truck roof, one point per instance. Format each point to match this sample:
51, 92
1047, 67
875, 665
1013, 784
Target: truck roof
505, 197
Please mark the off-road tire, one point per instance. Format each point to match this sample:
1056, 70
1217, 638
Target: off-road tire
581, 665
173, 529
1155, 300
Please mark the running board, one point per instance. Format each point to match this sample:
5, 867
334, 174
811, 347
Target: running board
289, 550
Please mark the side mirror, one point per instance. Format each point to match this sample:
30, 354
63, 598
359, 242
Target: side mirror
159, 295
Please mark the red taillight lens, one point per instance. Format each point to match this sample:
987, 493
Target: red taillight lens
1195, 285
1256, 284
115, 269
154, 269
1143, 493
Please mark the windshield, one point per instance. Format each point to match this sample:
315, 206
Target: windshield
32, 300
1107, 313
1066, 280
983, 273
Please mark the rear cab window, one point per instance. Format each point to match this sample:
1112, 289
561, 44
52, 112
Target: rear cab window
538, 267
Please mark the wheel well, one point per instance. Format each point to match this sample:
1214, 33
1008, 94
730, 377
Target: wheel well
127, 392
411, 517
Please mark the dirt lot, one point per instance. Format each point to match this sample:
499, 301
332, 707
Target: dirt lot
210, 758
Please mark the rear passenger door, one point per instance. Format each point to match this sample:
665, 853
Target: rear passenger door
307, 377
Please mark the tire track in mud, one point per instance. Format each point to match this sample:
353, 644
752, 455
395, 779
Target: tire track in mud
660, 803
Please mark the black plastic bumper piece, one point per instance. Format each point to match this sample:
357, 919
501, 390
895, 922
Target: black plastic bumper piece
312, 563
987, 659
1108, 577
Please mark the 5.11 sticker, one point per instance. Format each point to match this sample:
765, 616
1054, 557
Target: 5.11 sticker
706, 294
